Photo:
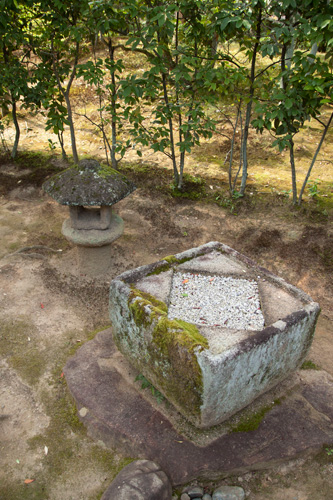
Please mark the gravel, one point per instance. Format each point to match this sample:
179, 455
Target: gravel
216, 301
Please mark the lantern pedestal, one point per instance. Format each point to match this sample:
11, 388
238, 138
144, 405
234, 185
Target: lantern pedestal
94, 245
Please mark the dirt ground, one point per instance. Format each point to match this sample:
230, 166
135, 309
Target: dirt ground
48, 307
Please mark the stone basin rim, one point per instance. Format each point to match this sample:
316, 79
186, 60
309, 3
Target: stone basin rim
132, 276
126, 280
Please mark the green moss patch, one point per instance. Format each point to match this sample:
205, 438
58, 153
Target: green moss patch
169, 359
171, 332
20, 346
170, 260
174, 363
34, 491
144, 307
251, 422
309, 365
160, 269
69, 450
193, 188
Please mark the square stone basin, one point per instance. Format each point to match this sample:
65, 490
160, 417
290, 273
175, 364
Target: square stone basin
210, 329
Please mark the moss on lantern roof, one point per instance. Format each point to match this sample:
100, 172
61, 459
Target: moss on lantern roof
88, 184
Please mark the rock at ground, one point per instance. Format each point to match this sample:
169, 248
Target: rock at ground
140, 480
194, 492
185, 496
229, 493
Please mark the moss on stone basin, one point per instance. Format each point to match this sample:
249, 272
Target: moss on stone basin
209, 372
166, 349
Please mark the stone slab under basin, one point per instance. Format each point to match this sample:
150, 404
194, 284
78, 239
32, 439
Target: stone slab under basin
210, 372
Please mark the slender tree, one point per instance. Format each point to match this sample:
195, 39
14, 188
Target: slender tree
17, 84
305, 80
63, 28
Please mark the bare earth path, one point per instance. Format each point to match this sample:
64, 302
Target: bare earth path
47, 309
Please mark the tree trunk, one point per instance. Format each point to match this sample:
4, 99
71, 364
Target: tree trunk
71, 127
172, 142
249, 105
244, 145
65, 93
181, 170
61, 142
314, 158
17, 129
232, 183
293, 171
114, 162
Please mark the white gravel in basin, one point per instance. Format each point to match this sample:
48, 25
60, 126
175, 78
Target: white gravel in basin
216, 301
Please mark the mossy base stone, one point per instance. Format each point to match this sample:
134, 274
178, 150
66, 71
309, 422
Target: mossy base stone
209, 372
116, 413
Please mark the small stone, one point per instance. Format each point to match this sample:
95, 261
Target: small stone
195, 492
207, 497
229, 493
83, 412
185, 497
140, 480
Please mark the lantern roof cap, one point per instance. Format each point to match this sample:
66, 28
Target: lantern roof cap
88, 184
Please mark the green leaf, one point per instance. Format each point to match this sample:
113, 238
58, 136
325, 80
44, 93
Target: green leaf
224, 23
288, 103
161, 20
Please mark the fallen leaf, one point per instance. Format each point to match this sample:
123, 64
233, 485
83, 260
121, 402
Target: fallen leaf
17, 461
41, 306
28, 481
185, 281
62, 374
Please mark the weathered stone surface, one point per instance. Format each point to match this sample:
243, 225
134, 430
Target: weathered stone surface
94, 237
210, 372
213, 263
195, 491
229, 493
115, 412
90, 218
88, 184
185, 496
140, 480
157, 285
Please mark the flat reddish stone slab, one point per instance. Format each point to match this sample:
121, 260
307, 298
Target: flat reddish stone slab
117, 414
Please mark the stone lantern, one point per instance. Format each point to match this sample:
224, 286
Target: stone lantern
90, 190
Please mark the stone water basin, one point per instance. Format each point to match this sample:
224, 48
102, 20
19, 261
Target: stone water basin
210, 363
